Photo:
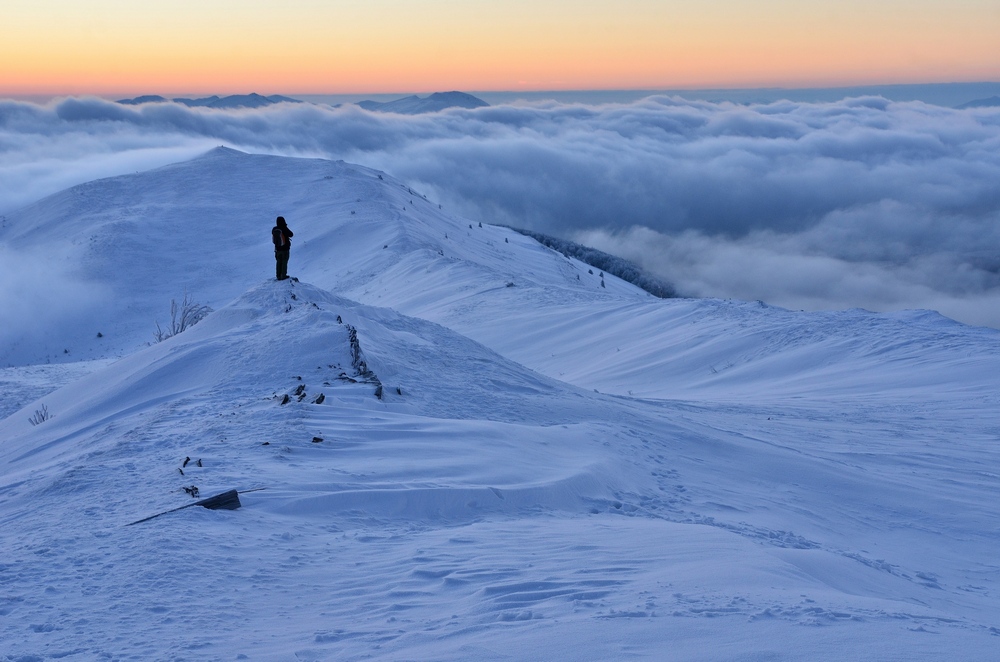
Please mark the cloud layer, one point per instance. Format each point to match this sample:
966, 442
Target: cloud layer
863, 202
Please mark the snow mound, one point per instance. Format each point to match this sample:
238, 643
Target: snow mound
290, 353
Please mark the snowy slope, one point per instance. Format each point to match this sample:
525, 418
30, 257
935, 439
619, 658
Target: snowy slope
128, 245
745, 483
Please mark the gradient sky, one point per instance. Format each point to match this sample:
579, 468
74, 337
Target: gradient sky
109, 47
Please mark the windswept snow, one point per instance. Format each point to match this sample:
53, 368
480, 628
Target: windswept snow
555, 469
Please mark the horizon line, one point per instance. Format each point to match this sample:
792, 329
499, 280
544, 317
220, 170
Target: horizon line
936, 93
533, 92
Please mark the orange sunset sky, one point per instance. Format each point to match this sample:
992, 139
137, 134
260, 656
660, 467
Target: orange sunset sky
118, 47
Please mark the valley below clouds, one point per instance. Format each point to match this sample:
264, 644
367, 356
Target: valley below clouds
858, 203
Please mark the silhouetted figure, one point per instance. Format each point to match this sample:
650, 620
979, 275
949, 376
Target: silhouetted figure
282, 238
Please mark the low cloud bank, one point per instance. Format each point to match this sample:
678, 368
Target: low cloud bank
862, 202
40, 292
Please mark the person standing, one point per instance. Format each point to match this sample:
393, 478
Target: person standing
282, 238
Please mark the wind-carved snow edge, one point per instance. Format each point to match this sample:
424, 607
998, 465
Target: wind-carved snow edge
359, 363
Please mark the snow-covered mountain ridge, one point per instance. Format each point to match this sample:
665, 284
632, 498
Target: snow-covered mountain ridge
745, 482
208, 221
201, 228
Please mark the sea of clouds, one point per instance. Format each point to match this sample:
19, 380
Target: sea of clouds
858, 203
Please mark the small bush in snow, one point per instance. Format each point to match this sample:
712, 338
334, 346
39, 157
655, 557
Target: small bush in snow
182, 317
40, 415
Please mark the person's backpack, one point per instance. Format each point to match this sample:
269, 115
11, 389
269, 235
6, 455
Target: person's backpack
278, 237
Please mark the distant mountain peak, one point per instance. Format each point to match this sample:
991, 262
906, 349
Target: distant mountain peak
252, 100
410, 105
991, 102
146, 98
415, 105
222, 152
455, 96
